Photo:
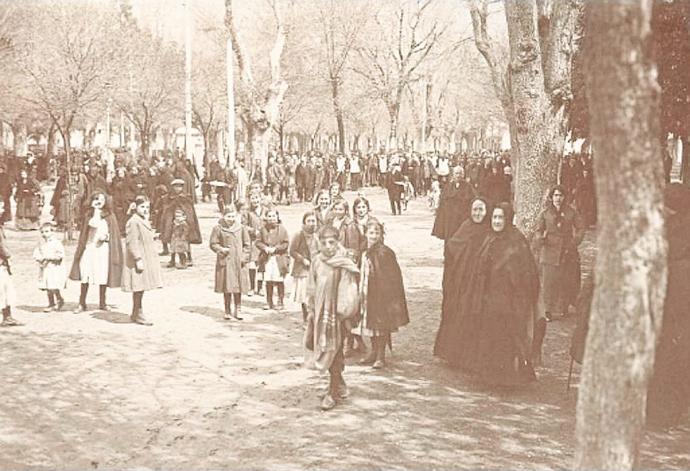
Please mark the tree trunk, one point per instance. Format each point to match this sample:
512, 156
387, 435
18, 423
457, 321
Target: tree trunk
393, 115
539, 134
145, 142
337, 109
631, 265
281, 136
50, 143
20, 133
685, 161
260, 141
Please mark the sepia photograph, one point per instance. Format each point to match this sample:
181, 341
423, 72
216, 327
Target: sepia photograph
345, 234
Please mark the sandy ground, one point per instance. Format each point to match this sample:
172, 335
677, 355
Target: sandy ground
197, 392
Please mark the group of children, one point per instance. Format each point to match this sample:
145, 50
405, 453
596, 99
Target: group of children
347, 282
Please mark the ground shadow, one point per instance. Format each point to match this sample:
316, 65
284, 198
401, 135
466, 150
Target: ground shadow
113, 317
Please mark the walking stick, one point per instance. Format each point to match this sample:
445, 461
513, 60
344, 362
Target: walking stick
570, 374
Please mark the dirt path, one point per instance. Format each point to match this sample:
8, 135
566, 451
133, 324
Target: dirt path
194, 391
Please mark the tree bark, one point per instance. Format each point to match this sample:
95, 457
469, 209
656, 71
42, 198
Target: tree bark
685, 161
19, 133
539, 135
393, 115
50, 138
338, 110
631, 264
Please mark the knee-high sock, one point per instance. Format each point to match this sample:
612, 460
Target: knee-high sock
137, 298
82, 294
281, 291
269, 293
101, 294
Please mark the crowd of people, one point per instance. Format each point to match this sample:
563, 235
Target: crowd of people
499, 288
347, 282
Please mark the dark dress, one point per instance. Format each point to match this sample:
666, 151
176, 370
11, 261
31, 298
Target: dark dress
456, 340
386, 305
169, 204
453, 210
558, 235
504, 292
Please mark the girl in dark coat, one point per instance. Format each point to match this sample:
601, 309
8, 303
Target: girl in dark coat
273, 243
98, 259
456, 341
504, 292
232, 245
382, 295
559, 232
303, 248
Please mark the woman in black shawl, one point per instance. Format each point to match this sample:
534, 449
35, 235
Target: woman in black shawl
505, 288
456, 341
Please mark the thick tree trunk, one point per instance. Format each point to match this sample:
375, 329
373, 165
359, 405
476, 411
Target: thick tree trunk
631, 264
685, 161
338, 110
539, 134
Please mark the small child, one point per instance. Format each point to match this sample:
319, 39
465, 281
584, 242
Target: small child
7, 293
408, 191
52, 277
232, 245
434, 196
179, 242
273, 243
383, 305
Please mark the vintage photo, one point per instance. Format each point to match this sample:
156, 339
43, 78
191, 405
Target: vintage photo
345, 234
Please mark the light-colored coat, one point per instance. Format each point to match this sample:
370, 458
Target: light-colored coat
232, 274
140, 246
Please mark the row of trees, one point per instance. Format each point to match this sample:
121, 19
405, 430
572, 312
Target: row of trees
400, 69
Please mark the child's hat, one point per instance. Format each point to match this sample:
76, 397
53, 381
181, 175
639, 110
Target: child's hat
177, 181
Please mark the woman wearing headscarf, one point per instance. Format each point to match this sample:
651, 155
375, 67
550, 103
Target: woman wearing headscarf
504, 292
559, 232
456, 340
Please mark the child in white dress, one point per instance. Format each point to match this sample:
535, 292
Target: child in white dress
52, 277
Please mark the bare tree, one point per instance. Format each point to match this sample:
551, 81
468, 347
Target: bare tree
631, 265
533, 86
389, 64
69, 70
260, 112
340, 28
148, 87
209, 104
